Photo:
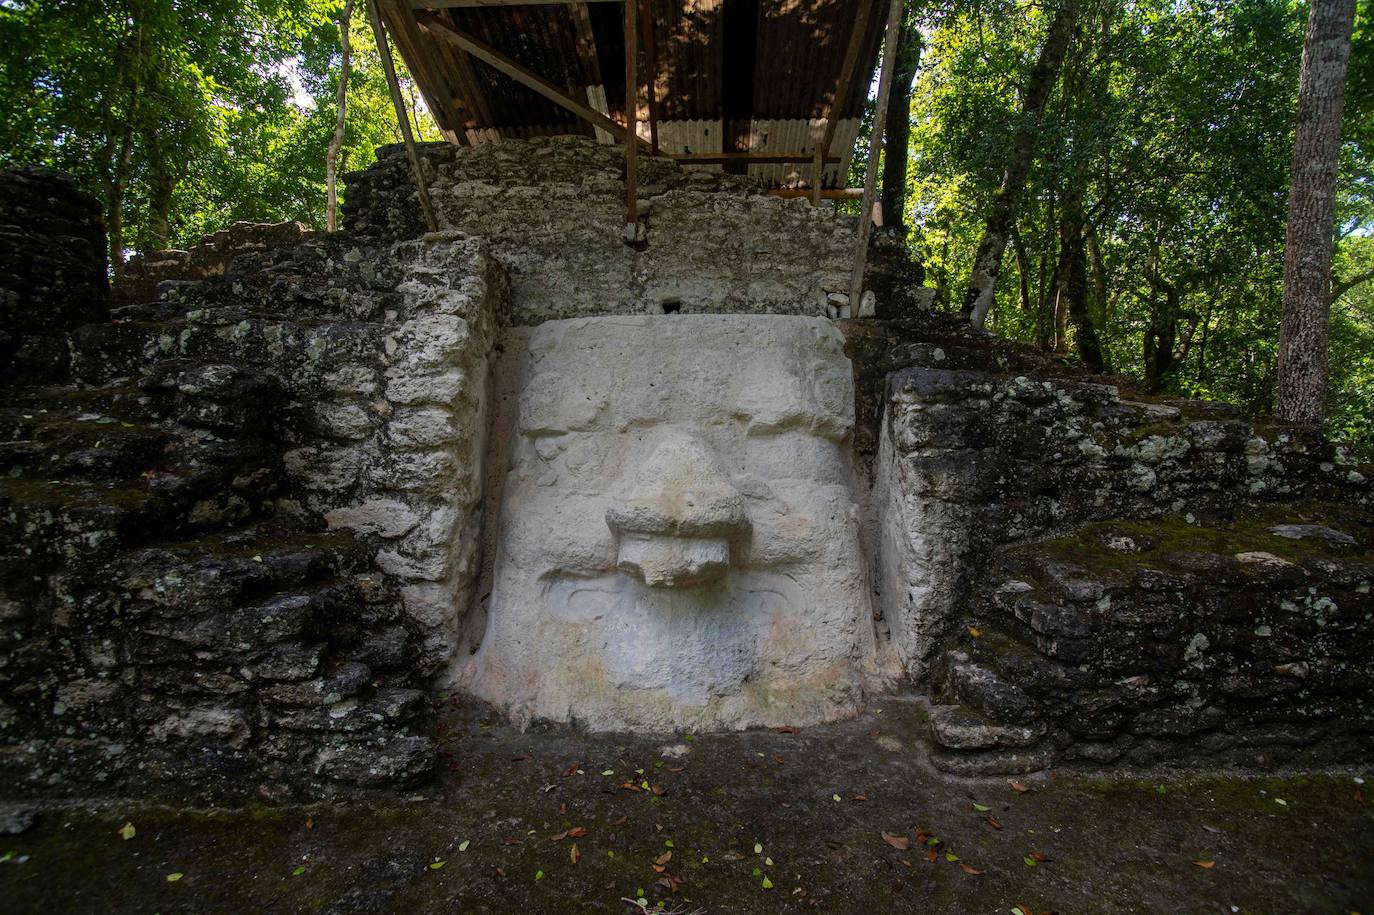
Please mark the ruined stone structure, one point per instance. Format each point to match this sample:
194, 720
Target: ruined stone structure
213, 256
264, 521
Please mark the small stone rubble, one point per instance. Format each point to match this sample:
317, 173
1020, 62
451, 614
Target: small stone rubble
145, 273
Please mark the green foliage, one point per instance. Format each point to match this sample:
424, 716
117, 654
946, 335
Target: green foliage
184, 116
1172, 127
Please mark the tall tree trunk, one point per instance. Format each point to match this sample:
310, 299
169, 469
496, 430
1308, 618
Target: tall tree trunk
1311, 212
987, 263
1161, 334
1071, 278
1044, 287
164, 182
1018, 248
331, 159
906, 61
117, 187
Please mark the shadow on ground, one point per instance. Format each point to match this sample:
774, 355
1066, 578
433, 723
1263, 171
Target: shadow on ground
755, 822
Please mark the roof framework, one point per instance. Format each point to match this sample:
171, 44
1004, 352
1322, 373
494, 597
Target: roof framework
757, 86
746, 82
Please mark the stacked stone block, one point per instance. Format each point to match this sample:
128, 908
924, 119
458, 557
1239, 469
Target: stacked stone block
1090, 578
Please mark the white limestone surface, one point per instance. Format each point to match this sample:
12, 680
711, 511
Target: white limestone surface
678, 540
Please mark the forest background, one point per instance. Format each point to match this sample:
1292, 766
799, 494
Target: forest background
1161, 167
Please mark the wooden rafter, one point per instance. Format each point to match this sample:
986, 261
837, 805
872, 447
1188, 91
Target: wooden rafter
843, 87
399, 23
440, 27
402, 115
856, 278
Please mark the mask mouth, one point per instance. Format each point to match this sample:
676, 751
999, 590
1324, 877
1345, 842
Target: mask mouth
673, 562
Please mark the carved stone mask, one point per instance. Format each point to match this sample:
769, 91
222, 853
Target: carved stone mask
678, 542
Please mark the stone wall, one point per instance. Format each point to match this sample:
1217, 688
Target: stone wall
239, 546
52, 269
221, 548
553, 212
212, 256
1094, 578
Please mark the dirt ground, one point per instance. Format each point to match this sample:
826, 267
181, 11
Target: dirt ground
755, 822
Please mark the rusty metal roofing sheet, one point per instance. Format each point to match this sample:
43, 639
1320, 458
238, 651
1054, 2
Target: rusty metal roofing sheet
730, 75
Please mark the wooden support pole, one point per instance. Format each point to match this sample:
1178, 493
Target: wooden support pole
844, 85
631, 121
651, 59
442, 28
402, 115
875, 145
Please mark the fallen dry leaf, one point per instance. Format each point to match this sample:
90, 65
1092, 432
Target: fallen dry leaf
572, 770
512, 841
1019, 787
563, 810
1040, 857
573, 854
664, 858
905, 862
522, 757
658, 789
558, 837
971, 870
1208, 865
932, 853
901, 843
922, 834
859, 797
577, 832
620, 822
786, 730
677, 768
992, 821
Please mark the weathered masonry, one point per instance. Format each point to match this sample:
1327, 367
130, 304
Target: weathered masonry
252, 530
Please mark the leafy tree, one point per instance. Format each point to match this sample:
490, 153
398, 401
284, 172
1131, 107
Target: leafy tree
184, 116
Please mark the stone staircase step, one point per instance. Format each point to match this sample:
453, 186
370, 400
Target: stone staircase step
982, 763
957, 727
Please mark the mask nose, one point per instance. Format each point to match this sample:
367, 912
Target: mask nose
676, 518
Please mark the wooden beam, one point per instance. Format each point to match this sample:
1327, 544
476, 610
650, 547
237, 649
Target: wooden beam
856, 279
460, 4
402, 116
440, 27
586, 53
651, 58
844, 85
752, 158
400, 23
631, 119
837, 193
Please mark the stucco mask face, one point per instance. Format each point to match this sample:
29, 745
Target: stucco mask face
678, 541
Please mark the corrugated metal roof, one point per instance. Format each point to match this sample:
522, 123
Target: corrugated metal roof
731, 75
